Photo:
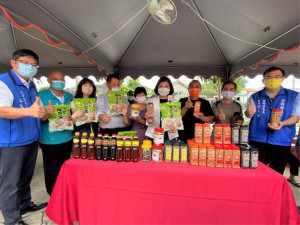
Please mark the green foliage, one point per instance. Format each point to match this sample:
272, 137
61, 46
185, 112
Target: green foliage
241, 83
212, 86
132, 85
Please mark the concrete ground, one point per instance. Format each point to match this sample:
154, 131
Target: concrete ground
40, 195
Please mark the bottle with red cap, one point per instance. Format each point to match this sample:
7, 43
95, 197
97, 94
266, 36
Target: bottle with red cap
158, 136
157, 152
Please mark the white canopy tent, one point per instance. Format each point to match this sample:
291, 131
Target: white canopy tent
120, 35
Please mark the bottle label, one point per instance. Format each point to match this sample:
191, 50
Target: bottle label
84, 141
75, 140
91, 142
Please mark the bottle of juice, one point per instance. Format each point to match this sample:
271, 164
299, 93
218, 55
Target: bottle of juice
127, 149
135, 149
91, 147
83, 145
105, 147
120, 144
113, 143
76, 146
98, 145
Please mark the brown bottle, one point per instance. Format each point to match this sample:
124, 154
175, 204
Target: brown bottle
113, 143
105, 147
76, 146
83, 145
98, 146
127, 149
135, 149
120, 144
91, 147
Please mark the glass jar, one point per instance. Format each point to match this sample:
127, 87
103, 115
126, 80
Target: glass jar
146, 152
135, 111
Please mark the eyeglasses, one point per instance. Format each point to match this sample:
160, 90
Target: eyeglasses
25, 62
276, 77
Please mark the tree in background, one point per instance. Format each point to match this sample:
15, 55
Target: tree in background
132, 85
241, 83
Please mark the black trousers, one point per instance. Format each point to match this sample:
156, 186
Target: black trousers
275, 155
294, 164
53, 158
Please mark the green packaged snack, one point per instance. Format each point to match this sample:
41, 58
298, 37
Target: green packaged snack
171, 115
88, 106
61, 119
116, 102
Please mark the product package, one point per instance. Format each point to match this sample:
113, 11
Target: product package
116, 102
171, 115
61, 119
88, 106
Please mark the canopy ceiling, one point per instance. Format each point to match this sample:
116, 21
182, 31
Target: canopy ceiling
146, 47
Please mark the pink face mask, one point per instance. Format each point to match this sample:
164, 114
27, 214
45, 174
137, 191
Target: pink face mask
141, 99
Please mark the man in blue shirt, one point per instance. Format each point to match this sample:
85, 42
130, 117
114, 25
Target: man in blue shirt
273, 141
20, 114
56, 146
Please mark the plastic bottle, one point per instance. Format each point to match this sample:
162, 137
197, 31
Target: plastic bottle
105, 147
91, 147
146, 155
119, 151
113, 143
127, 149
98, 145
83, 145
135, 149
76, 146
157, 153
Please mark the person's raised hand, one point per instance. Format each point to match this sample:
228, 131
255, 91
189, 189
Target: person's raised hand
251, 108
189, 103
221, 115
36, 110
50, 108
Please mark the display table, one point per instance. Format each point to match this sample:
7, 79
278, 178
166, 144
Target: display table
98, 192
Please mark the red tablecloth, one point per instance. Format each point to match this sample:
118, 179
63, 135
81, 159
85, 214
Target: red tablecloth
98, 192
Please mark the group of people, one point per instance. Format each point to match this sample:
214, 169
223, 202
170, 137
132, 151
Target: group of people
24, 123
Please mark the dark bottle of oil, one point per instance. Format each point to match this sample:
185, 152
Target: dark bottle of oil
120, 144
127, 149
91, 147
105, 147
98, 145
113, 143
83, 145
76, 146
135, 149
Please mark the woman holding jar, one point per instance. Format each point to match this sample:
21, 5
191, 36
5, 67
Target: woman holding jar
134, 115
163, 90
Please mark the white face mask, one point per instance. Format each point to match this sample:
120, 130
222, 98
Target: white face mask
141, 99
228, 94
116, 89
163, 91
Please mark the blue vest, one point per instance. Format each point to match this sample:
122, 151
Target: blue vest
25, 130
259, 130
59, 137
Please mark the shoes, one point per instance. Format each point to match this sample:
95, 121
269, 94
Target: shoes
22, 223
294, 183
33, 207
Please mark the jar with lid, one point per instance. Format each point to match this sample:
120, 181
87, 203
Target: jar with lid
135, 111
218, 133
158, 136
202, 154
235, 129
275, 117
198, 133
226, 134
244, 132
157, 153
227, 156
146, 155
176, 152
219, 155
168, 151
236, 157
211, 155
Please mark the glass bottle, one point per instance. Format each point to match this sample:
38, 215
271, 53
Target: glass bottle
83, 145
135, 149
120, 144
76, 146
127, 149
98, 144
105, 147
113, 143
91, 146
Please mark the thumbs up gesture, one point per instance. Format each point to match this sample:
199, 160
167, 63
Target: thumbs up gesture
189, 103
221, 115
36, 110
50, 108
251, 110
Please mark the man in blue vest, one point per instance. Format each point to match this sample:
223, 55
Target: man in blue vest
273, 141
20, 114
56, 146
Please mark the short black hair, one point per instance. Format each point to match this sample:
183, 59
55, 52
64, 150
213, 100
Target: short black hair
111, 76
79, 93
163, 79
130, 92
139, 90
228, 82
272, 68
23, 53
